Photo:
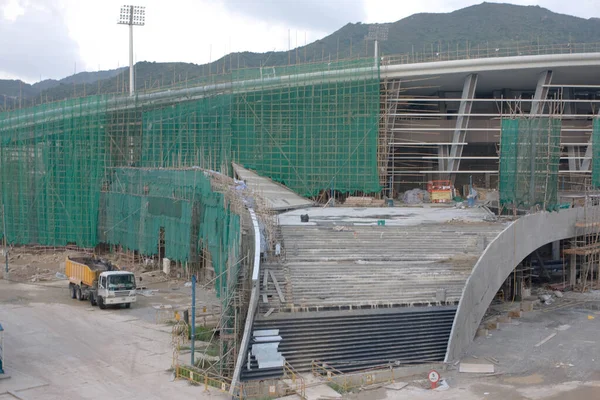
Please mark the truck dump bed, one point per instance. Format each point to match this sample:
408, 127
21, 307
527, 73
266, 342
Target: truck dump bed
85, 270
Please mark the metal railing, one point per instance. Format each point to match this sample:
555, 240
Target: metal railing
298, 385
473, 52
246, 390
200, 377
343, 382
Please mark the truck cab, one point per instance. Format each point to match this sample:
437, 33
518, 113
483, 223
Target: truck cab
116, 287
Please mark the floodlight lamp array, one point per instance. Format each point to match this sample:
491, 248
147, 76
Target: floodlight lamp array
132, 15
378, 32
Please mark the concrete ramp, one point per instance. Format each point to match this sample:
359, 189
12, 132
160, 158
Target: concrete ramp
279, 197
342, 260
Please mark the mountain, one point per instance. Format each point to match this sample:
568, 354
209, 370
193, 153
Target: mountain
487, 25
13, 90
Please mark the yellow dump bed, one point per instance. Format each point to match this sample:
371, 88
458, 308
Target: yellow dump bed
85, 270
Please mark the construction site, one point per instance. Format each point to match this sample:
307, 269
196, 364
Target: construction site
338, 224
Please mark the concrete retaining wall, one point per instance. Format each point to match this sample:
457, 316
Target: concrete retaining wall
496, 263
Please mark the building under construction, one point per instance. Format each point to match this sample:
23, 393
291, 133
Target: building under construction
152, 176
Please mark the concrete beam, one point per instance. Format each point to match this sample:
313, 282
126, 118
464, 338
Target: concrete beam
490, 64
462, 122
499, 259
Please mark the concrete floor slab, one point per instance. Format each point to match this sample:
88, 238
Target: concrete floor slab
278, 196
394, 216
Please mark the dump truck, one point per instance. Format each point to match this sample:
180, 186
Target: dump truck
100, 282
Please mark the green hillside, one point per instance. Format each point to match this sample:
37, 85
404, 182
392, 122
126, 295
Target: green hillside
487, 25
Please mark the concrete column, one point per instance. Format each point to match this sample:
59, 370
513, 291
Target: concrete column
442, 154
573, 270
541, 92
587, 161
573, 163
556, 250
568, 95
462, 123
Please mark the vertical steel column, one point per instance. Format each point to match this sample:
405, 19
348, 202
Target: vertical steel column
5, 242
462, 123
131, 79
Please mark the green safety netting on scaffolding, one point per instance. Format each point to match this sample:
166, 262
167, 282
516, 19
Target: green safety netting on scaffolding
596, 154
317, 129
312, 127
141, 205
529, 162
52, 161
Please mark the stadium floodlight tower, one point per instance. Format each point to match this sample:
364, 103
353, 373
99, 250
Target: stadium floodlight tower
377, 33
132, 16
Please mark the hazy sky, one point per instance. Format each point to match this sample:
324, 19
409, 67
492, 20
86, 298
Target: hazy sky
53, 38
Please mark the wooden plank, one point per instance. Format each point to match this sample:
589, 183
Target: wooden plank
587, 224
515, 313
279, 292
266, 280
269, 312
476, 368
583, 250
545, 340
265, 299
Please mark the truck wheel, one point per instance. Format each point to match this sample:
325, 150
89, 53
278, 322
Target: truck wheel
101, 303
92, 299
127, 305
72, 288
79, 294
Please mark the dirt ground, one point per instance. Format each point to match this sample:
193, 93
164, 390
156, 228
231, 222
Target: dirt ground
28, 265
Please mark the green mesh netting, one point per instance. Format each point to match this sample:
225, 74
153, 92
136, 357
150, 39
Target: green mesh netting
596, 154
311, 127
50, 175
529, 162
140, 203
317, 130
189, 134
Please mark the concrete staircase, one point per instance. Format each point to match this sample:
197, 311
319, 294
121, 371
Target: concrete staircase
347, 267
351, 341
351, 292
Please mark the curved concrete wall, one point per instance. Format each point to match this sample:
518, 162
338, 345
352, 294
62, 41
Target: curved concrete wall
504, 253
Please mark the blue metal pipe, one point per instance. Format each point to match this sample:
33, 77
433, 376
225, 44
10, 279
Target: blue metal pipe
193, 336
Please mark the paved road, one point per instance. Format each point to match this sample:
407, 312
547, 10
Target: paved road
58, 348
